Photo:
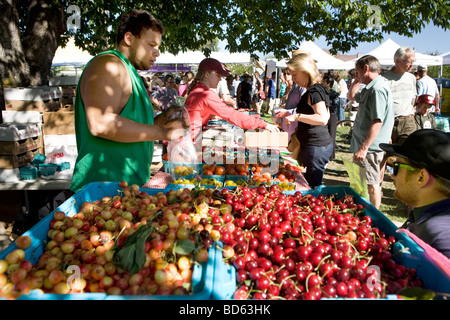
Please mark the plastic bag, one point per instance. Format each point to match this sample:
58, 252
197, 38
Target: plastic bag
357, 177
182, 155
64, 157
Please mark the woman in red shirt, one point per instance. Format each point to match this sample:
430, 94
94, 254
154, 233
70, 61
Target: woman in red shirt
203, 103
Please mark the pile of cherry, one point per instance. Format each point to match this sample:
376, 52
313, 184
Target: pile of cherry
305, 247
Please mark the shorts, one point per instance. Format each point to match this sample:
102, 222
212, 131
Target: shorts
256, 98
403, 127
372, 166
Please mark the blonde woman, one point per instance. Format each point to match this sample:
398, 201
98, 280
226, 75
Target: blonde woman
312, 115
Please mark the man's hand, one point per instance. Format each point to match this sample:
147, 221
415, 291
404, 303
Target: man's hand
360, 155
174, 122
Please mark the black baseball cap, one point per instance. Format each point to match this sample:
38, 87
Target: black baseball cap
427, 148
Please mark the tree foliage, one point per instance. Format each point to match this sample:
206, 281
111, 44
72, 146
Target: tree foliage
31, 30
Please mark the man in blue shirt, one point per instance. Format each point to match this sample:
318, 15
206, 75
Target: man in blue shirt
373, 123
422, 180
271, 92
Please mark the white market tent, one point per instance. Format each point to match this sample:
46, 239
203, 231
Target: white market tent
324, 60
385, 54
71, 55
195, 57
445, 58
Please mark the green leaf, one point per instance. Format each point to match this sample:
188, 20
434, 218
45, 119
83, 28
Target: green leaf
131, 257
416, 293
183, 247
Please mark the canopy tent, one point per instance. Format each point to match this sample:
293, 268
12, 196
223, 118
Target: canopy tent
195, 57
445, 58
324, 60
168, 62
71, 55
385, 54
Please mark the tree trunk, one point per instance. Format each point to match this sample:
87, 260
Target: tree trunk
13, 65
27, 61
44, 26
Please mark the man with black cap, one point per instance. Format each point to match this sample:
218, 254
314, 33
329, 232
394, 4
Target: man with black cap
422, 180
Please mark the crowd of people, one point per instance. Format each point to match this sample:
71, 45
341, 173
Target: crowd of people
394, 125
239, 91
116, 129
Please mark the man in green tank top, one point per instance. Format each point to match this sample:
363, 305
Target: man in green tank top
114, 121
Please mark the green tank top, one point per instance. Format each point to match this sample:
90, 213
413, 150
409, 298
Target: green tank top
100, 159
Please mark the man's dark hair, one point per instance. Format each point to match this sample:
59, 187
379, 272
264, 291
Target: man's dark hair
135, 21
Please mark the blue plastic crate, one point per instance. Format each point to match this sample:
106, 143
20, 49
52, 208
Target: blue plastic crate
235, 178
29, 173
47, 169
63, 166
413, 257
170, 166
202, 277
38, 159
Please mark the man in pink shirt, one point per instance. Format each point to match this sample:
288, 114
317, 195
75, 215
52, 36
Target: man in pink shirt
202, 103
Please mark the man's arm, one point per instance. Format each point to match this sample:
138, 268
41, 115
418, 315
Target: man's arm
437, 107
105, 90
353, 90
374, 129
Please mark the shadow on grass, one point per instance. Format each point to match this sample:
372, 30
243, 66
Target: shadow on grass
336, 174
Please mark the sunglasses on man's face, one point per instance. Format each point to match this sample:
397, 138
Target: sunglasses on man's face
396, 165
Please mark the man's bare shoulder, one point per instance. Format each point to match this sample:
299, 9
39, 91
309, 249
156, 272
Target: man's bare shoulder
106, 82
106, 64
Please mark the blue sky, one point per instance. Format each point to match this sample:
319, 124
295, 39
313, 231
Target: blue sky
430, 40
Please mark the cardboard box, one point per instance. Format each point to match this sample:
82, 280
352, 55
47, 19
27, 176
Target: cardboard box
60, 122
30, 105
19, 131
33, 98
18, 160
57, 140
21, 146
69, 91
33, 93
266, 139
21, 116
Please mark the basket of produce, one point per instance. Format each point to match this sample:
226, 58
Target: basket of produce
113, 241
